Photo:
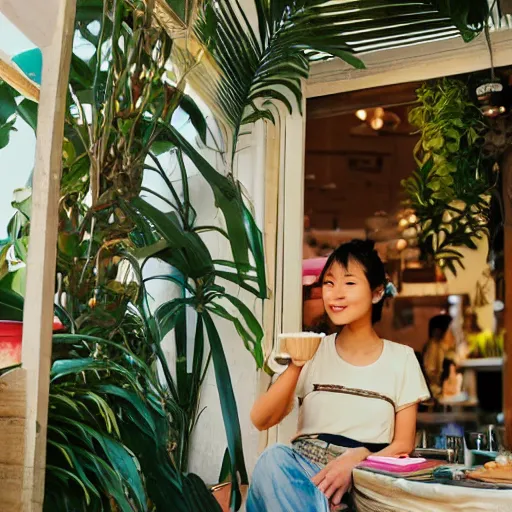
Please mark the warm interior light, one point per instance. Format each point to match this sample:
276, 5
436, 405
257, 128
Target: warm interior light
377, 123
401, 244
413, 219
492, 111
362, 114
403, 223
379, 112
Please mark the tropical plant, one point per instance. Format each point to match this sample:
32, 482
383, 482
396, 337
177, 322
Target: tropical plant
111, 438
257, 66
104, 157
14, 249
132, 108
10, 109
450, 191
485, 344
11, 305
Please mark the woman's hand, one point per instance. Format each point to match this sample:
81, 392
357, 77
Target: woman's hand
335, 479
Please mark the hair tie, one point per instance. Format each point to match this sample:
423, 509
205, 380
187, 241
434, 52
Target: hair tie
390, 290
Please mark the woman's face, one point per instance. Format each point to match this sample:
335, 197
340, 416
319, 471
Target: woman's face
346, 294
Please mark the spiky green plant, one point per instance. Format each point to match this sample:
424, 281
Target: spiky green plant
113, 436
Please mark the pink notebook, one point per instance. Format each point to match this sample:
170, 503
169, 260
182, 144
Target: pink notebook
398, 466
403, 462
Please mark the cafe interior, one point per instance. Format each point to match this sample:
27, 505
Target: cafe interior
360, 147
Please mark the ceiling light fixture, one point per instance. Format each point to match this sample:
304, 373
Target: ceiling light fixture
377, 123
362, 114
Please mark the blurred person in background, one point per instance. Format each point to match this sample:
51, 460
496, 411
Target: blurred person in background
440, 346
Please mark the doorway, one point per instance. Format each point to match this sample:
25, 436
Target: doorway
398, 73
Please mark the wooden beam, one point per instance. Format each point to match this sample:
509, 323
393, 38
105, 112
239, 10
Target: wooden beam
12, 426
18, 80
272, 168
413, 63
38, 311
506, 170
270, 233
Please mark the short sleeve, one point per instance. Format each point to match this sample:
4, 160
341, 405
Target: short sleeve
304, 384
414, 389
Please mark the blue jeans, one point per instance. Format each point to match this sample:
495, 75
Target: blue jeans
281, 482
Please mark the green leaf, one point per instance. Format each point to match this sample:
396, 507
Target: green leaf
201, 497
348, 57
245, 237
11, 305
134, 400
7, 102
28, 112
66, 474
188, 252
5, 133
167, 313
124, 464
63, 367
196, 116
237, 279
225, 469
253, 325
229, 410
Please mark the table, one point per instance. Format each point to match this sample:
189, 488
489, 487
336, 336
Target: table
380, 493
483, 364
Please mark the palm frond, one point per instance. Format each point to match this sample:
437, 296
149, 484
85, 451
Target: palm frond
249, 70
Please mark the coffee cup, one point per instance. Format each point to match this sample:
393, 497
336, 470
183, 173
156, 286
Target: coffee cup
299, 346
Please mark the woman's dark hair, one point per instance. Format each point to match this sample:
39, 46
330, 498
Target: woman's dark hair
438, 325
364, 253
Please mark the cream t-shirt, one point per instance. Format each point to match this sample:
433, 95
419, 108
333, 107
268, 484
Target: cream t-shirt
359, 402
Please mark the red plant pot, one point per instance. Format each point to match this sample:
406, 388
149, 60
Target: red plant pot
10, 343
11, 334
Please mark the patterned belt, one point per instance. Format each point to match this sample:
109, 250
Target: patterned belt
317, 451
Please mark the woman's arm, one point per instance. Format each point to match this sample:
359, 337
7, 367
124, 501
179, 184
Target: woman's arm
271, 407
334, 480
404, 440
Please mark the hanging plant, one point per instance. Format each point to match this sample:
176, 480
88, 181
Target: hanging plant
450, 190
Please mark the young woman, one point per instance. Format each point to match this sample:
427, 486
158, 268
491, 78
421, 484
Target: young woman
358, 396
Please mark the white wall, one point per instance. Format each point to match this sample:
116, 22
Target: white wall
209, 439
